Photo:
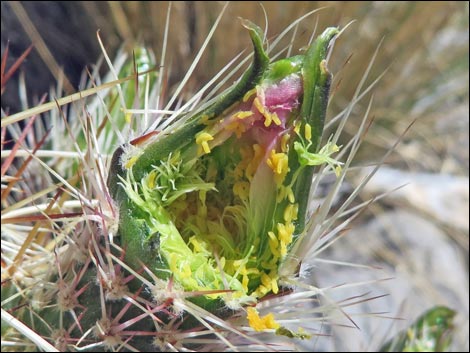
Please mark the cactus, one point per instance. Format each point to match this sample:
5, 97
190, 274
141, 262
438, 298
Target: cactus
189, 235
431, 332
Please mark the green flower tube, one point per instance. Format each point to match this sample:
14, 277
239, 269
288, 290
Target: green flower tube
217, 203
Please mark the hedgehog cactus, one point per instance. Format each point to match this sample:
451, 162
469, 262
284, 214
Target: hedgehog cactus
431, 332
190, 229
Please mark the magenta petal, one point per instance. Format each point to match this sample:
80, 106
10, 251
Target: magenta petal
283, 95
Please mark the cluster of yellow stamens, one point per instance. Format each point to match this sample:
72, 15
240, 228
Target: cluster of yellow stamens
261, 323
251, 268
279, 163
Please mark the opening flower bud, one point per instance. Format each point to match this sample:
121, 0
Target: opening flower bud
225, 195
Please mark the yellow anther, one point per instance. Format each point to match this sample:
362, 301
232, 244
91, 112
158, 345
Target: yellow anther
274, 244
273, 238
261, 291
258, 105
274, 286
131, 162
297, 127
284, 140
283, 249
249, 94
290, 213
197, 245
266, 280
285, 232
243, 114
151, 179
261, 323
245, 282
267, 119
290, 194
275, 161
279, 163
308, 132
253, 271
281, 193
267, 115
338, 170
275, 119
202, 138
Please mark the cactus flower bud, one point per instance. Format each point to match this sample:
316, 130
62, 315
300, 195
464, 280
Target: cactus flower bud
216, 204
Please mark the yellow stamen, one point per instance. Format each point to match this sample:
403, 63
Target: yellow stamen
197, 245
284, 140
297, 127
279, 163
268, 117
274, 244
276, 119
266, 280
151, 179
258, 105
285, 232
290, 213
243, 114
338, 170
308, 132
245, 281
249, 94
261, 291
252, 271
274, 277
290, 195
131, 162
202, 138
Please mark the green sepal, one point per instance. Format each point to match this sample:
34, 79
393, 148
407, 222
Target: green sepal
316, 87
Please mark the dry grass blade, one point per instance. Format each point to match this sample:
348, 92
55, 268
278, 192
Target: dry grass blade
14, 118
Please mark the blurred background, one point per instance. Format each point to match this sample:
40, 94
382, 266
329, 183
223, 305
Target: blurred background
417, 235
